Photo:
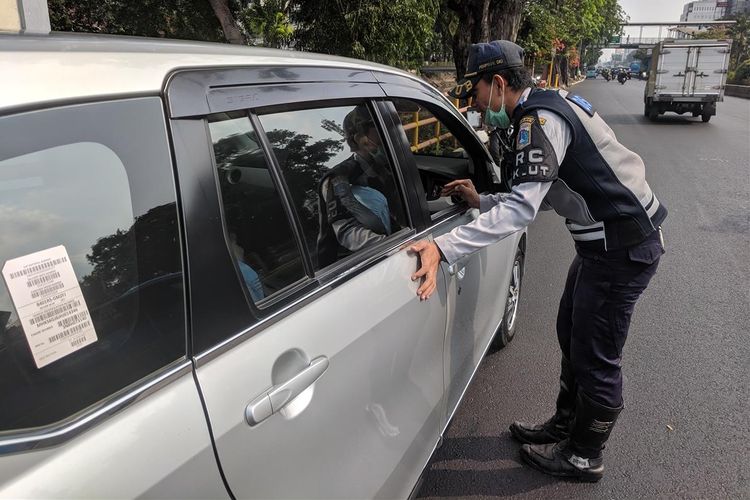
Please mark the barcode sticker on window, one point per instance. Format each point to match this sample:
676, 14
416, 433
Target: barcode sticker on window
49, 302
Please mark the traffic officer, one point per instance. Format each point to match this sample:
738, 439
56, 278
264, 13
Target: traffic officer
566, 158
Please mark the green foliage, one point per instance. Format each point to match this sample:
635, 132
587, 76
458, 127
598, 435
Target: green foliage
268, 20
397, 32
186, 19
568, 24
741, 76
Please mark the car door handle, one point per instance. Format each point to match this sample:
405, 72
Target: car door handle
277, 397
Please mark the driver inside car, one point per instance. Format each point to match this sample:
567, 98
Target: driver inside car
356, 194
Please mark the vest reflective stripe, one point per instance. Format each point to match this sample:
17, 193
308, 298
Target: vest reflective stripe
607, 179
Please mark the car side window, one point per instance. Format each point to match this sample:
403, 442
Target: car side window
341, 179
439, 155
258, 230
92, 297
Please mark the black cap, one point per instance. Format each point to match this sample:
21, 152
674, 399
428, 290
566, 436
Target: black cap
487, 58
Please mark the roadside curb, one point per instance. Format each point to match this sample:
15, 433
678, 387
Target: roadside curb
577, 82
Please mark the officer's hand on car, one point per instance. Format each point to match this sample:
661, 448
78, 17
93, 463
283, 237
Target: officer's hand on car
463, 188
429, 258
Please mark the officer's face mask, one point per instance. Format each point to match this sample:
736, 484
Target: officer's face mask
500, 118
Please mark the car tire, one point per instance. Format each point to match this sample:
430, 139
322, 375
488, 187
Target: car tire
507, 329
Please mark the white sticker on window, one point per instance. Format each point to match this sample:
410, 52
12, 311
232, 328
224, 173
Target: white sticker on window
49, 303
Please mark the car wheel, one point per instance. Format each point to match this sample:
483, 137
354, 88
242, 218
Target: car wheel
508, 326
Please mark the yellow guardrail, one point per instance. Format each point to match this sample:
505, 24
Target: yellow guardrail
437, 137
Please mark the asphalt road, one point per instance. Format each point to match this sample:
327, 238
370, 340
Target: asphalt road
687, 359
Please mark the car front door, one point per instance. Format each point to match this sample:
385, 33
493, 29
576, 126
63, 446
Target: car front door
320, 379
442, 148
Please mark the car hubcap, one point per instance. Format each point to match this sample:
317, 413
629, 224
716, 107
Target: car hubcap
511, 309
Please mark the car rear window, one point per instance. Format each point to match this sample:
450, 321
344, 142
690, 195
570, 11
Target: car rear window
91, 299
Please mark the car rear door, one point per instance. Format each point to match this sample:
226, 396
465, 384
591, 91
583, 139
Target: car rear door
319, 381
96, 387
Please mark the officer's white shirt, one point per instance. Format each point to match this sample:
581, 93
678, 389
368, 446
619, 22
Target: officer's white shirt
503, 214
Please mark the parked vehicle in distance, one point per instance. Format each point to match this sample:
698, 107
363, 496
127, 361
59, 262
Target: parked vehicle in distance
207, 294
686, 76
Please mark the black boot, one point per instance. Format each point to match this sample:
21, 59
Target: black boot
557, 427
580, 456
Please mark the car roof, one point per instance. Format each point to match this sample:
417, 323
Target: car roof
62, 66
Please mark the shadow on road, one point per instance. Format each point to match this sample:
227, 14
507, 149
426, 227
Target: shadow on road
485, 466
638, 119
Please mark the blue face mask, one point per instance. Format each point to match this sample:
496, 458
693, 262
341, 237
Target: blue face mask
500, 118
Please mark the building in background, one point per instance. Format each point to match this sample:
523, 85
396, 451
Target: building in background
703, 11
737, 7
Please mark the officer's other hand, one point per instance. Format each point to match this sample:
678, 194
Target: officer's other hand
429, 259
463, 188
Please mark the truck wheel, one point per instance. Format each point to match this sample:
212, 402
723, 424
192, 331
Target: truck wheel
705, 117
645, 109
653, 112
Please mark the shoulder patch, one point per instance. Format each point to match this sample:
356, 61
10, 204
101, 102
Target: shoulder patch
582, 103
524, 132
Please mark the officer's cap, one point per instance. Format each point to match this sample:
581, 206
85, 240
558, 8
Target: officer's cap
490, 58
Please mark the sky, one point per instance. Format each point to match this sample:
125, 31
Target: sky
652, 11
667, 11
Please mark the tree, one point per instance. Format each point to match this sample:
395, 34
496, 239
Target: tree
269, 21
224, 14
572, 27
740, 33
398, 32
482, 21
187, 19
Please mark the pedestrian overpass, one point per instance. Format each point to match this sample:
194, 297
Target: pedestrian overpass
666, 31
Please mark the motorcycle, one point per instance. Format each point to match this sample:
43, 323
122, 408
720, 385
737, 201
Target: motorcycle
621, 77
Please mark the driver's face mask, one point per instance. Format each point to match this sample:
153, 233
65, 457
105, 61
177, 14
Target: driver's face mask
375, 151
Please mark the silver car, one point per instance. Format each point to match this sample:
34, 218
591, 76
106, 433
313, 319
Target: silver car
180, 312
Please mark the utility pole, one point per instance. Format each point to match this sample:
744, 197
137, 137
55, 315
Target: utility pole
24, 16
549, 73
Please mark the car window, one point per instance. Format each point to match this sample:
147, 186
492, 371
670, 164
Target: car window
341, 179
439, 154
92, 296
259, 234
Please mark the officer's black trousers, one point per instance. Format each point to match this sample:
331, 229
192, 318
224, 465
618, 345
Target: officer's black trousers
594, 316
